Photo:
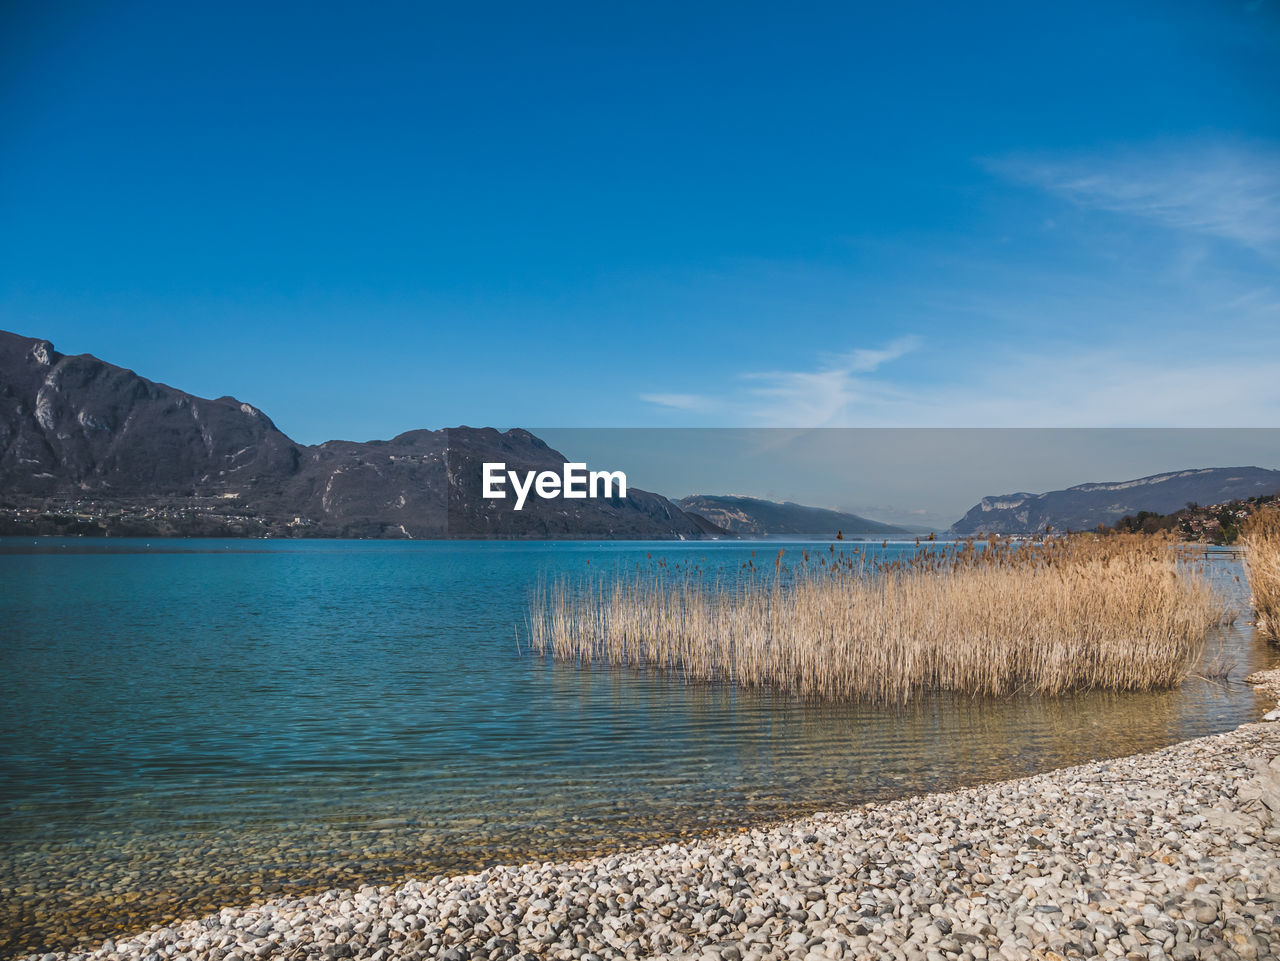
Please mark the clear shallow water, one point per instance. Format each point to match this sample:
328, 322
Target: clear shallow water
205, 722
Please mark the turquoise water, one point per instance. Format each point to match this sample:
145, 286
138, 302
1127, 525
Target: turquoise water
190, 723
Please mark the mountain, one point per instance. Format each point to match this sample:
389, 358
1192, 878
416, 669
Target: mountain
88, 447
639, 515
753, 517
1086, 506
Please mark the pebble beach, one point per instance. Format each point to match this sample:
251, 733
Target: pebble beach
1172, 854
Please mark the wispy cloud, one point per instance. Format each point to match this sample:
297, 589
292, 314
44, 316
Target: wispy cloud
1230, 192
1264, 301
1108, 323
833, 391
866, 361
1098, 389
689, 402
1088, 388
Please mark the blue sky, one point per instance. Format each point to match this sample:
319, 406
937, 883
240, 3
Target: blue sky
366, 219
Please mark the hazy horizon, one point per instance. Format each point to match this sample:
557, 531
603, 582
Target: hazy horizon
922, 476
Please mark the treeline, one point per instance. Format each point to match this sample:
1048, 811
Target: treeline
1214, 524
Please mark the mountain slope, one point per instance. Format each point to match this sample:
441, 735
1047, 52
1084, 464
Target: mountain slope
753, 517
77, 423
1086, 506
638, 515
89, 447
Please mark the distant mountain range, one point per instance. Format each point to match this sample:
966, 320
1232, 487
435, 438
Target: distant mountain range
90, 448
1086, 506
87, 447
753, 517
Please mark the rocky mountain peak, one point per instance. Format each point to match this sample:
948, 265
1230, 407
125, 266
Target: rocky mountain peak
87, 440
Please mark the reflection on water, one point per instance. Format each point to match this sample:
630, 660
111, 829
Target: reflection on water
225, 720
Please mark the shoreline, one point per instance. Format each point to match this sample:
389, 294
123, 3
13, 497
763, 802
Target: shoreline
1174, 853
89, 885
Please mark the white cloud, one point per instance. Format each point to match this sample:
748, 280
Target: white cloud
679, 401
806, 397
832, 392
1120, 327
1088, 388
866, 361
1094, 389
1230, 192
1260, 301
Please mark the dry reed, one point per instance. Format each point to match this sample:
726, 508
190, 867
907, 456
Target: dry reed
1261, 536
1125, 612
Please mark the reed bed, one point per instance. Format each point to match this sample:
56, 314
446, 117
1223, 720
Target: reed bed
1124, 612
1261, 536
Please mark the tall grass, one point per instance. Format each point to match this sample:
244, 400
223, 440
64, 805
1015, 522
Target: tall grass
1124, 612
1261, 535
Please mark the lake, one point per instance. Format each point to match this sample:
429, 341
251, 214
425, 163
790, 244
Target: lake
191, 723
